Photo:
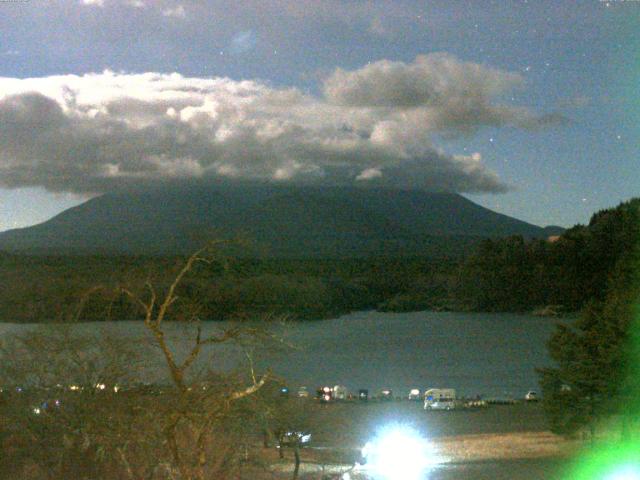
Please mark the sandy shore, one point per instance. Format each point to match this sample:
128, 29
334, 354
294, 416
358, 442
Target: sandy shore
503, 446
511, 456
510, 441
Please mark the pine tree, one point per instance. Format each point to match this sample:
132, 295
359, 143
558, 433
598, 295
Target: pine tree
583, 387
598, 357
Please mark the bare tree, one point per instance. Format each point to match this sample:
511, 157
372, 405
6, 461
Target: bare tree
102, 424
65, 412
190, 428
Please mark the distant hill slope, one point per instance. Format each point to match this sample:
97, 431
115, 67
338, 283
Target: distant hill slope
282, 221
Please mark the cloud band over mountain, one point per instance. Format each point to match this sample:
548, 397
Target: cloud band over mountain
372, 126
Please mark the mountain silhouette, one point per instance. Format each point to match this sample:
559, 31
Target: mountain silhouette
279, 221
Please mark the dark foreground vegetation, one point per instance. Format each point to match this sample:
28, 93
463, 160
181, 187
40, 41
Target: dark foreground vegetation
204, 423
63, 415
101, 434
596, 381
552, 276
43, 289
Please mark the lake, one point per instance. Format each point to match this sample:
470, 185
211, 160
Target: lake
475, 353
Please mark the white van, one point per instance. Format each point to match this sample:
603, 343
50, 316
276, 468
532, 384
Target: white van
440, 399
340, 392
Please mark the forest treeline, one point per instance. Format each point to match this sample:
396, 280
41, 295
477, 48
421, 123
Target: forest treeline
570, 271
67, 288
507, 274
593, 388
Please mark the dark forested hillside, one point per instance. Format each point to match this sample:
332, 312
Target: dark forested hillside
505, 274
67, 288
596, 374
280, 221
512, 274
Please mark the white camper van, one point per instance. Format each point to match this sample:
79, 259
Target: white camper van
340, 392
440, 399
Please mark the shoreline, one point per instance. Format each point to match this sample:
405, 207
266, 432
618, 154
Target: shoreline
538, 312
458, 453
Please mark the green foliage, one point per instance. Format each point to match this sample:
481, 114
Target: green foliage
503, 275
597, 357
584, 386
511, 274
44, 289
507, 274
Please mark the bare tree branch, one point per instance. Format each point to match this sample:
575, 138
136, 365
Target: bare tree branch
171, 297
251, 389
147, 308
251, 369
125, 462
85, 298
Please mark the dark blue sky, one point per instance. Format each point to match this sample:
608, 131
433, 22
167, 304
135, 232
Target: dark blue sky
577, 61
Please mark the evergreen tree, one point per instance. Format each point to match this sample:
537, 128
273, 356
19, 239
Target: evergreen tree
583, 387
598, 357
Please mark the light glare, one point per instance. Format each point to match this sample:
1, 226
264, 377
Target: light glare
627, 472
399, 453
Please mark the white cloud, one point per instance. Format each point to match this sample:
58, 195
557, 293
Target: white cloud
433, 80
369, 174
176, 12
437, 91
128, 3
97, 132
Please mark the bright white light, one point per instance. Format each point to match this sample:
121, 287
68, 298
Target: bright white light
399, 453
626, 472
100, 386
37, 411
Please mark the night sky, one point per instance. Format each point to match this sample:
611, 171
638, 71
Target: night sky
530, 108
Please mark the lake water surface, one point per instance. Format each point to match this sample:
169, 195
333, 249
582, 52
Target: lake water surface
475, 353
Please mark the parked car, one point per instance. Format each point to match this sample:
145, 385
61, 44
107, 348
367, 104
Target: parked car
414, 394
340, 392
295, 438
324, 394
